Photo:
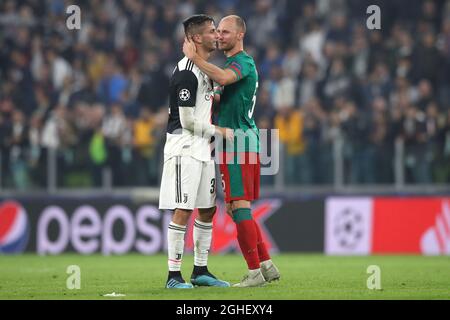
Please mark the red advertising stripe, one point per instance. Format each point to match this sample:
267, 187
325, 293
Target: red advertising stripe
8, 213
399, 224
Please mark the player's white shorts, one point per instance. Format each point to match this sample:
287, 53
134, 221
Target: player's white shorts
187, 183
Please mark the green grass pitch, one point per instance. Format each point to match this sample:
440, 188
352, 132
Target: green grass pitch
303, 276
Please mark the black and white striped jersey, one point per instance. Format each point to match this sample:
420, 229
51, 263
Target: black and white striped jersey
188, 88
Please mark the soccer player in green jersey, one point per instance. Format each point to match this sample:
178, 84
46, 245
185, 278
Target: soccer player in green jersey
239, 165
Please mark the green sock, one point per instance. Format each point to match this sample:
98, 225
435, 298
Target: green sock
242, 214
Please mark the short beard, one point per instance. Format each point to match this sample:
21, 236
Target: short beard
226, 48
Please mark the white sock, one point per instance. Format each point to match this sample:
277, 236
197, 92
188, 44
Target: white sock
175, 245
254, 271
266, 263
202, 242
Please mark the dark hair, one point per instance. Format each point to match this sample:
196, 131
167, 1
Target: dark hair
192, 23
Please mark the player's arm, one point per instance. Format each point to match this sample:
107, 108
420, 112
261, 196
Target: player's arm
221, 76
203, 129
186, 99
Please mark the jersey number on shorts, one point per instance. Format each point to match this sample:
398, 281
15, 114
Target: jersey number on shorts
223, 183
213, 185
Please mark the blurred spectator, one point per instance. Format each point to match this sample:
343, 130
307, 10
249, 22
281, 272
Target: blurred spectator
312, 43
442, 169
6, 137
317, 153
59, 136
153, 91
308, 85
114, 131
18, 155
424, 94
289, 122
98, 96
60, 68
339, 30
427, 59
415, 135
262, 23
337, 83
265, 108
283, 89
144, 148
381, 142
113, 84
292, 62
35, 166
379, 84
359, 150
272, 59
359, 52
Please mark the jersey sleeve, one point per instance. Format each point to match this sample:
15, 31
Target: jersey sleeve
186, 89
241, 67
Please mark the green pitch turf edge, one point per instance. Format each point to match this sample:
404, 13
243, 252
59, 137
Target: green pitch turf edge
303, 276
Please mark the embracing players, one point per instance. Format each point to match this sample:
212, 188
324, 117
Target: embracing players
240, 167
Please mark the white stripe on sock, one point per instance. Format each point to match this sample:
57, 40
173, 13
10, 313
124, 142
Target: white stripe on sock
202, 242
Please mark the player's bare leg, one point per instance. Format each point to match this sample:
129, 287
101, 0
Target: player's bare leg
202, 235
175, 240
228, 209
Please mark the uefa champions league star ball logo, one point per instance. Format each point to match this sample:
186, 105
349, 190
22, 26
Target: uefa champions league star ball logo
185, 94
349, 228
14, 227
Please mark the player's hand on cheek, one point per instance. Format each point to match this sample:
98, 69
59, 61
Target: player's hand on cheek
189, 48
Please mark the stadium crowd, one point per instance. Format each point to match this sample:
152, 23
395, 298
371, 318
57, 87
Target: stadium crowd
98, 95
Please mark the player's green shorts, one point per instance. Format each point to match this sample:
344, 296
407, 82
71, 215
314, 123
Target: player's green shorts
240, 178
